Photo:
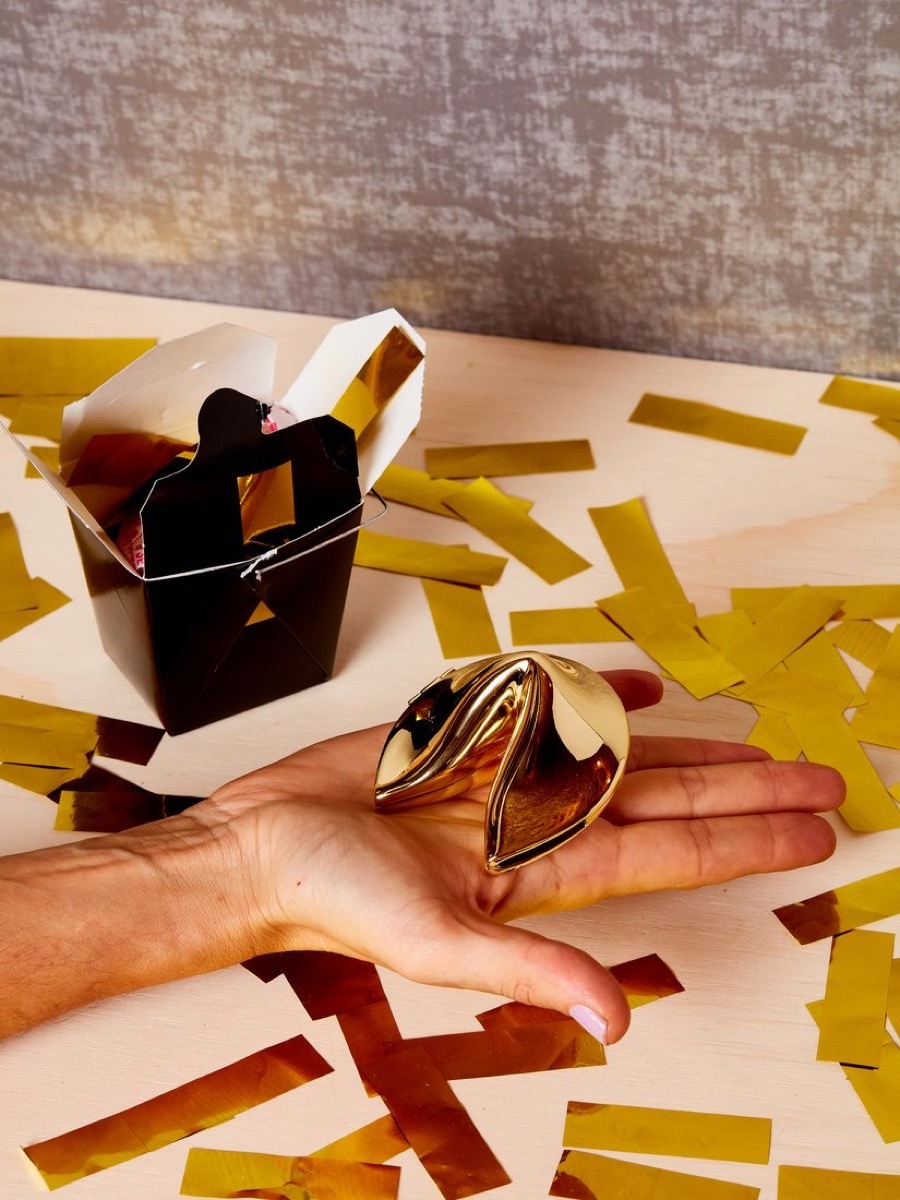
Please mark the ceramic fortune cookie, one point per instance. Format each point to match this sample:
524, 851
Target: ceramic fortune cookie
551, 733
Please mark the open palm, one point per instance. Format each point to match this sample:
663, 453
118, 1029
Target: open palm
408, 890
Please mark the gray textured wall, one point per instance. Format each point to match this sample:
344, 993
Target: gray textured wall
717, 178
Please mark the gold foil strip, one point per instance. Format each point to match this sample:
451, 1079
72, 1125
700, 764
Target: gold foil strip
584, 1176
48, 455
773, 734
438, 1128
723, 628
461, 619
672, 643
235, 1173
721, 424
790, 691
890, 425
878, 1090
860, 903
40, 416
562, 626
388, 367
819, 657
646, 979
640, 1130
852, 1015
514, 1050
16, 586
126, 741
509, 458
863, 396
781, 630
876, 720
200, 1104
369, 1030
864, 640
859, 601
408, 556
822, 1183
327, 984
41, 780
417, 489
64, 366
635, 550
376, 1142
267, 500
112, 811
825, 737
498, 517
893, 999
47, 600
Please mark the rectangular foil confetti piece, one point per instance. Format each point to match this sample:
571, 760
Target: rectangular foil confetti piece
876, 720
878, 1090
821, 1183
377, 1142
417, 489
562, 626
852, 1015
429, 560
509, 458
671, 642
862, 395
635, 550
200, 1104
39, 416
113, 811
864, 640
772, 733
512, 1050
826, 737
438, 1128
860, 601
720, 424
639, 1130
781, 630
16, 588
327, 984
47, 600
461, 619
848, 907
498, 517
64, 366
234, 1173
584, 1176
646, 979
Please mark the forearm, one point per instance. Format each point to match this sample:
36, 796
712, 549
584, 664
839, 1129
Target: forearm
112, 914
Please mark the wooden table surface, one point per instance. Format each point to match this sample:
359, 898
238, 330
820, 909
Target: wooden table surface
738, 1039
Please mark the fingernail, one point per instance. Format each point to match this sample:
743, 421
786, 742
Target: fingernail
596, 1025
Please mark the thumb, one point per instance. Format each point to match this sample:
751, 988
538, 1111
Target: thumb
535, 970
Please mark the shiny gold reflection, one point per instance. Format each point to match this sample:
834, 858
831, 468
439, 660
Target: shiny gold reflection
438, 1128
176, 1114
376, 1142
509, 458
829, 913
231, 1174
380, 377
552, 731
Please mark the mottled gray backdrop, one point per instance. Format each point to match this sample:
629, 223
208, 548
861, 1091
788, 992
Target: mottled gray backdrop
703, 177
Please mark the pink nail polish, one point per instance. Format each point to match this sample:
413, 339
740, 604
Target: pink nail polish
596, 1025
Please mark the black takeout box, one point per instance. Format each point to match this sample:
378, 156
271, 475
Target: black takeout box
246, 543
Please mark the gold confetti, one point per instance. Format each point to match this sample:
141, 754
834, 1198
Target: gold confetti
852, 1014
235, 1173
848, 907
584, 1176
863, 396
178, 1113
721, 424
562, 626
461, 619
408, 556
640, 1130
509, 458
492, 513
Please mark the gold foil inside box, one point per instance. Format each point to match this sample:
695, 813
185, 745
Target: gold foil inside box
216, 525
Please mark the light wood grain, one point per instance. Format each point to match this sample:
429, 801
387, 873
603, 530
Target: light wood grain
738, 1039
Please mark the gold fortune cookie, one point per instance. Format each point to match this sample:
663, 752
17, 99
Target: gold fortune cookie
550, 734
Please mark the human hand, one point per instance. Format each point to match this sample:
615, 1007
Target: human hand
409, 891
